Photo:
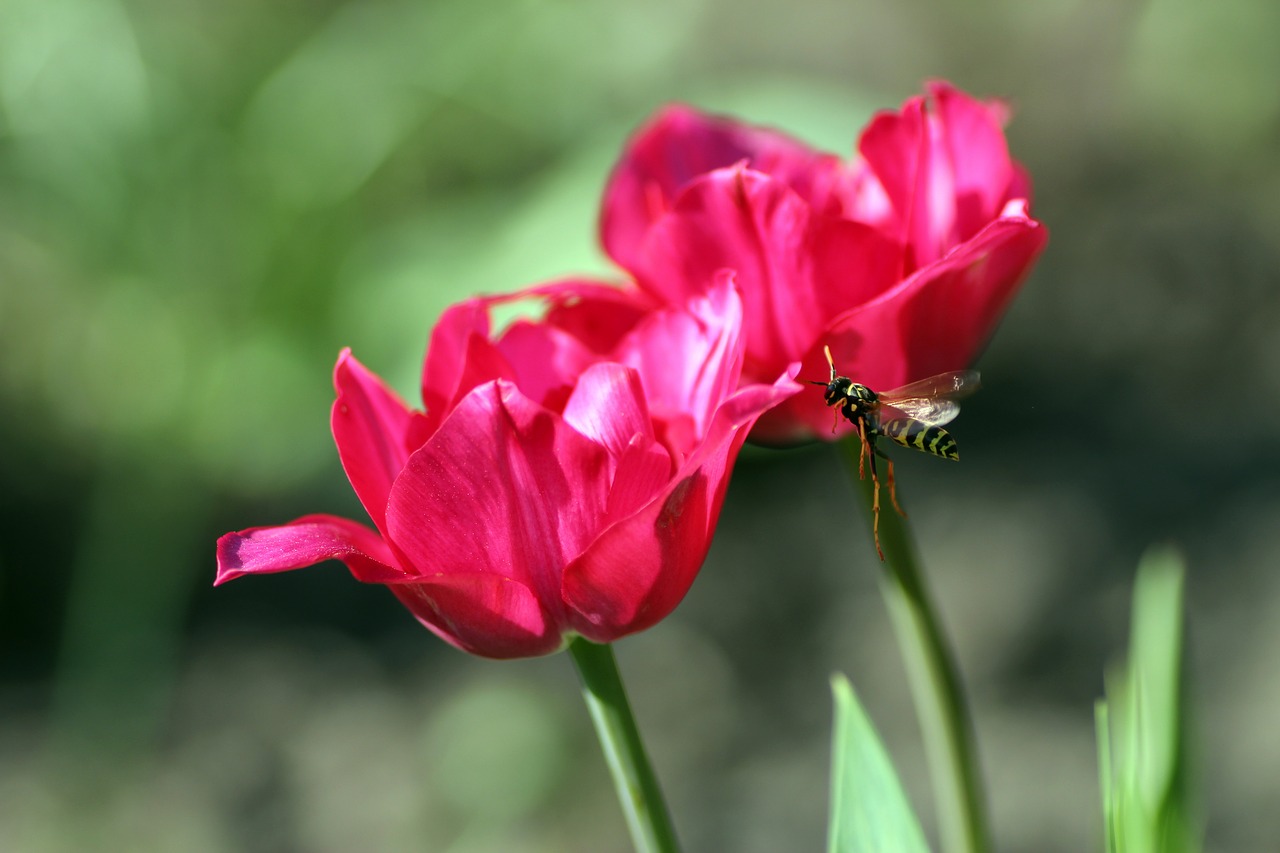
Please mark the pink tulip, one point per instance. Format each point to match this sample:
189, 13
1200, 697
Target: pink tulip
902, 261
565, 479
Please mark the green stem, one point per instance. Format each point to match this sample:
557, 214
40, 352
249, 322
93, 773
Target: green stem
637, 787
933, 676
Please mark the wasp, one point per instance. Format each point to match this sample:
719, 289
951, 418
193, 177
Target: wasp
912, 416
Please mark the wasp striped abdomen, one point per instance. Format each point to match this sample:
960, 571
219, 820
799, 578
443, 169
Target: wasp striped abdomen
921, 436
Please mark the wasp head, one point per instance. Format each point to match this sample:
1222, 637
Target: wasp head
843, 390
839, 389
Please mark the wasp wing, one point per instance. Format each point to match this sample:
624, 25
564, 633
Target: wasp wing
931, 400
932, 412
955, 385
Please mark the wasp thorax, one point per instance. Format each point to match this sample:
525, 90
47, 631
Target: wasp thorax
851, 396
842, 389
861, 393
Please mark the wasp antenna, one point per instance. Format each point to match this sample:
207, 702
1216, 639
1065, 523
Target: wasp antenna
830, 361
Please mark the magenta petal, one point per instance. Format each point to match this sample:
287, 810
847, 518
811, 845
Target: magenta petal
584, 321
675, 146
798, 420
638, 570
804, 415
678, 145
545, 361
447, 354
643, 470
374, 431
953, 304
608, 407
741, 411
459, 358
915, 175
972, 137
759, 228
594, 313
689, 358
484, 614
853, 263
936, 320
309, 540
745, 411
944, 164
503, 487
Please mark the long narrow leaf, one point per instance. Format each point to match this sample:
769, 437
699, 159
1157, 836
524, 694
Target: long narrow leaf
869, 810
1106, 786
1143, 727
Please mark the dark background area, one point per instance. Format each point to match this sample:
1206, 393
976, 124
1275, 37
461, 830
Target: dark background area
201, 203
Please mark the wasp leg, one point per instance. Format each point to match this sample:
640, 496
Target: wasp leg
893, 488
863, 448
875, 494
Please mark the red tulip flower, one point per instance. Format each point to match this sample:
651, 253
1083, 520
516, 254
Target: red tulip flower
565, 479
902, 261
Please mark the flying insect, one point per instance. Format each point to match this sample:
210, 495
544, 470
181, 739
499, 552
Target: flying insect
912, 416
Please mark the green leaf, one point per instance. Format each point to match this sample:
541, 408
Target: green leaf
1102, 725
1142, 727
869, 811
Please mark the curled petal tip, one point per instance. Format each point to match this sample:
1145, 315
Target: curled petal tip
230, 565
1017, 208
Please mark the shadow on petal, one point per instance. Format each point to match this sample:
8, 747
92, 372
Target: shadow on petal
483, 614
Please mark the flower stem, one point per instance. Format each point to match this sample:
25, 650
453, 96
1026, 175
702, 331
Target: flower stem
637, 787
934, 679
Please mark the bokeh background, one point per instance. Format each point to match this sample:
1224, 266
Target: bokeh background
202, 202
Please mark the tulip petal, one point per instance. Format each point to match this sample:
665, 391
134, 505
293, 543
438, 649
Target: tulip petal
640, 568
459, 358
944, 163
953, 305
594, 313
643, 470
680, 144
689, 358
793, 269
545, 361
375, 433
798, 420
741, 412
503, 487
583, 322
308, 540
483, 614
936, 320
748, 222
972, 137
446, 356
608, 407
898, 148
804, 415
852, 263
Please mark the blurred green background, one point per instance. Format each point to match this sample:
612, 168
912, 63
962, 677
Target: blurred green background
201, 203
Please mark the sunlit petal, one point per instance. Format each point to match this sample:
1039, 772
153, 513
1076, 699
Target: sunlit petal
309, 540
375, 433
